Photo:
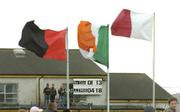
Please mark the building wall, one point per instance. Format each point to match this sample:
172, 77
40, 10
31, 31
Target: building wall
95, 99
100, 99
56, 81
28, 90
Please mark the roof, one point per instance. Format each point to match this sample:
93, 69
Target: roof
33, 65
134, 86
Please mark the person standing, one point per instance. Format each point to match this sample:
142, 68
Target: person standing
53, 93
61, 93
172, 105
46, 92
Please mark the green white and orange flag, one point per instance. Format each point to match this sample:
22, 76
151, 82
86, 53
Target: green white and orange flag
93, 42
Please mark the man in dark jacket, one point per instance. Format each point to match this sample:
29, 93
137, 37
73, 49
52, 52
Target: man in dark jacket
53, 93
61, 93
46, 92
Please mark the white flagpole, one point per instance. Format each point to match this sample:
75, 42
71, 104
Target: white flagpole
153, 64
67, 71
108, 78
108, 92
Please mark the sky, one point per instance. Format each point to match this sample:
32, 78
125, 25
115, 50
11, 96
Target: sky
126, 55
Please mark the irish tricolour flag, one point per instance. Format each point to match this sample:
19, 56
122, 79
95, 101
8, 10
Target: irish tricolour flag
93, 42
134, 25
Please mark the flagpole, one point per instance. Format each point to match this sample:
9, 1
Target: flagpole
153, 65
67, 70
108, 92
108, 78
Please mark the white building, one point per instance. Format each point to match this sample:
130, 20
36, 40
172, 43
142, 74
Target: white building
23, 78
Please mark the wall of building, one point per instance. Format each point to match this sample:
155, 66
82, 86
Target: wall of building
56, 81
100, 99
28, 90
95, 99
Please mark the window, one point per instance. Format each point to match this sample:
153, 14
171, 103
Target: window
8, 93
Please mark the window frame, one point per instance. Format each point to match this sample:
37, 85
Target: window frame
5, 93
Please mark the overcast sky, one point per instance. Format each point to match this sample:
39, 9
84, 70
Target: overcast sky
126, 55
